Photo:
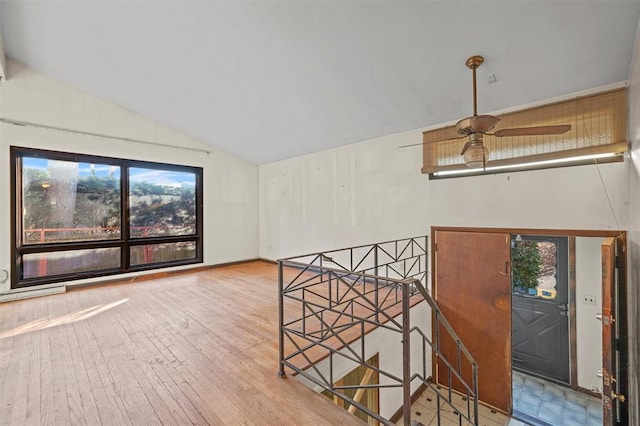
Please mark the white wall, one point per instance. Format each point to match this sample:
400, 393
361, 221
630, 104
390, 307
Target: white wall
588, 328
373, 191
634, 235
360, 193
561, 198
230, 185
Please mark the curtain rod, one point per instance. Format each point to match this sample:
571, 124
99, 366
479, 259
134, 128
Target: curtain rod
99, 135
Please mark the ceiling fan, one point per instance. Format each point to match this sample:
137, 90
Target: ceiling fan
475, 127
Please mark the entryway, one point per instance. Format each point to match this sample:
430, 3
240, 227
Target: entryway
472, 271
541, 351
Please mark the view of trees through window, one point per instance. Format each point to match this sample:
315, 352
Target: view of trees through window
69, 201
161, 202
75, 218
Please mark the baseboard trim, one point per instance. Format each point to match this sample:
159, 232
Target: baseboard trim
414, 397
159, 274
30, 292
589, 392
48, 289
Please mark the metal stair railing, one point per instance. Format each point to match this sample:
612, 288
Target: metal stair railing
330, 301
470, 389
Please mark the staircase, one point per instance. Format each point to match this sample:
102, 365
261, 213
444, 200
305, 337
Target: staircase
339, 308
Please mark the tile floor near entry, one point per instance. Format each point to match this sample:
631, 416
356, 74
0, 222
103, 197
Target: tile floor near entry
552, 404
535, 402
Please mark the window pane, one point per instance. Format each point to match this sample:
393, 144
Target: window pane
161, 202
156, 253
69, 262
88, 212
69, 201
534, 268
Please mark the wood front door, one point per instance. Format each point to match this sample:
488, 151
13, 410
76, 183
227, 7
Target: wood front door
614, 334
472, 287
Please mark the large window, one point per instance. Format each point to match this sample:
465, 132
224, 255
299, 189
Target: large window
79, 216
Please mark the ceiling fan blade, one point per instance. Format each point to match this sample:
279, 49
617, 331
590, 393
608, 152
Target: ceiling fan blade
465, 147
434, 141
484, 123
534, 131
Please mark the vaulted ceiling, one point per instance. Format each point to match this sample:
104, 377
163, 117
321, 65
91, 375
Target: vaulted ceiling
270, 80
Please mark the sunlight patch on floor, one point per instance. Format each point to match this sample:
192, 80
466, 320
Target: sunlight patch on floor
43, 324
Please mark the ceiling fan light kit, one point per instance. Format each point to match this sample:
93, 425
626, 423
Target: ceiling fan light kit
474, 153
476, 156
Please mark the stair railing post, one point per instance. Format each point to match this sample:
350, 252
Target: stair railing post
406, 355
281, 372
375, 272
475, 393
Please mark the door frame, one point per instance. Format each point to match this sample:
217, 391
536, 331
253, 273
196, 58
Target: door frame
620, 235
614, 319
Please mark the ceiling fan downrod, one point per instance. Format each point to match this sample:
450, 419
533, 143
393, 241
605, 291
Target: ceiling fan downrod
473, 63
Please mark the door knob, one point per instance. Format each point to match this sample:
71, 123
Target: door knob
618, 396
563, 309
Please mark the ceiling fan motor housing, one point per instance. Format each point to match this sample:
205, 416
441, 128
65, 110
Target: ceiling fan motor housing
476, 124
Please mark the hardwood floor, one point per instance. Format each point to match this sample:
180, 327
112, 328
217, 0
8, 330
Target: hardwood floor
196, 348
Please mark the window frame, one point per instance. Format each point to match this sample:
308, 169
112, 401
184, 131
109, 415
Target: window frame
124, 242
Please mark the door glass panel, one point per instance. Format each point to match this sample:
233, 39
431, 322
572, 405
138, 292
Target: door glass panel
162, 202
535, 266
69, 201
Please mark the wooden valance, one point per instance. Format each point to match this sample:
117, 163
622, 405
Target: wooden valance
598, 125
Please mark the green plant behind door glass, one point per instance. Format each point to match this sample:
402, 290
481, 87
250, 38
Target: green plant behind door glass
526, 264
535, 264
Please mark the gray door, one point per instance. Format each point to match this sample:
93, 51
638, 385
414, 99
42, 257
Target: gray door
540, 322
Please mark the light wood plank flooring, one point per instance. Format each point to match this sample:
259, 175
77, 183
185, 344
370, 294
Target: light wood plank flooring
198, 348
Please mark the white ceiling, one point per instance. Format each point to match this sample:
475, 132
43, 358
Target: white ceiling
271, 80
